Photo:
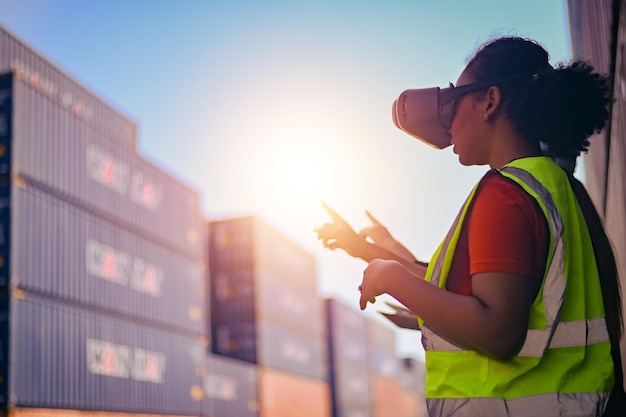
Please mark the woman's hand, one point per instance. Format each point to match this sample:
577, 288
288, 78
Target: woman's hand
340, 235
375, 275
380, 236
377, 233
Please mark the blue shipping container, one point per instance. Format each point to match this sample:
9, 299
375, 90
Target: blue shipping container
257, 293
248, 241
62, 251
231, 387
65, 357
59, 88
50, 149
271, 345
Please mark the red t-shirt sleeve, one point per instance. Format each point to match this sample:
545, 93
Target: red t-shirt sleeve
504, 231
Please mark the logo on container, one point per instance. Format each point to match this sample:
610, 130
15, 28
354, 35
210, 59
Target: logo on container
222, 387
145, 192
121, 268
115, 174
108, 171
295, 352
122, 361
49, 88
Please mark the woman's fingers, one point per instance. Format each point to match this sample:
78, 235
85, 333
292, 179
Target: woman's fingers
372, 218
333, 214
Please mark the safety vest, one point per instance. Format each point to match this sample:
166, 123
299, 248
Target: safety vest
564, 367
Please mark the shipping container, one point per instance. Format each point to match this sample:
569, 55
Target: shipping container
264, 304
62, 251
346, 333
283, 394
80, 105
350, 383
247, 241
381, 340
386, 396
347, 357
60, 356
48, 149
54, 412
247, 293
273, 346
232, 388
412, 405
412, 373
352, 410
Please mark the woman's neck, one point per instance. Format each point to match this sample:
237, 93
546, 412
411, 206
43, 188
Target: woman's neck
510, 145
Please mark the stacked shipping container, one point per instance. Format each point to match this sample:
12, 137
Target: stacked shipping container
231, 386
102, 257
103, 270
348, 357
75, 100
411, 373
265, 310
385, 385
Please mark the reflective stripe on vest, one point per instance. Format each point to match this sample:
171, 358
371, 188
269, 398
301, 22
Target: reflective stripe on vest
586, 404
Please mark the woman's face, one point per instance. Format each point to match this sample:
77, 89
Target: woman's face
467, 126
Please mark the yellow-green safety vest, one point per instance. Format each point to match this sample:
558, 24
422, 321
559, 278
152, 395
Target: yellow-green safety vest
564, 367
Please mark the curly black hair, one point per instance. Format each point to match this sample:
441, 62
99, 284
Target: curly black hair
560, 107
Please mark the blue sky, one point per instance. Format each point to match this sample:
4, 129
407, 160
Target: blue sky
270, 107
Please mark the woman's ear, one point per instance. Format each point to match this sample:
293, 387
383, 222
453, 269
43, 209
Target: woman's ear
492, 101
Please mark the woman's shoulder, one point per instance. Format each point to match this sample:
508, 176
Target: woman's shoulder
497, 192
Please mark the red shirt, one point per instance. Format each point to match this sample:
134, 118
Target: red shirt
504, 231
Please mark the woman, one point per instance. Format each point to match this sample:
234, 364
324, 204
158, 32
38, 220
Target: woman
520, 306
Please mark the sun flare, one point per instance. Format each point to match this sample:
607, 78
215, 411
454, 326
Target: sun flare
293, 171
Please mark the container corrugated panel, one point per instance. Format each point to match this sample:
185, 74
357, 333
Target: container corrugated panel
271, 345
54, 412
79, 103
350, 383
232, 295
386, 396
5, 230
283, 394
383, 362
62, 251
231, 387
54, 152
381, 336
235, 340
249, 241
412, 405
345, 320
230, 244
246, 293
300, 353
289, 304
347, 338
591, 33
65, 357
353, 410
276, 253
411, 373
590, 26
382, 348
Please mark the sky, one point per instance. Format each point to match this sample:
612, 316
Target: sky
271, 107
